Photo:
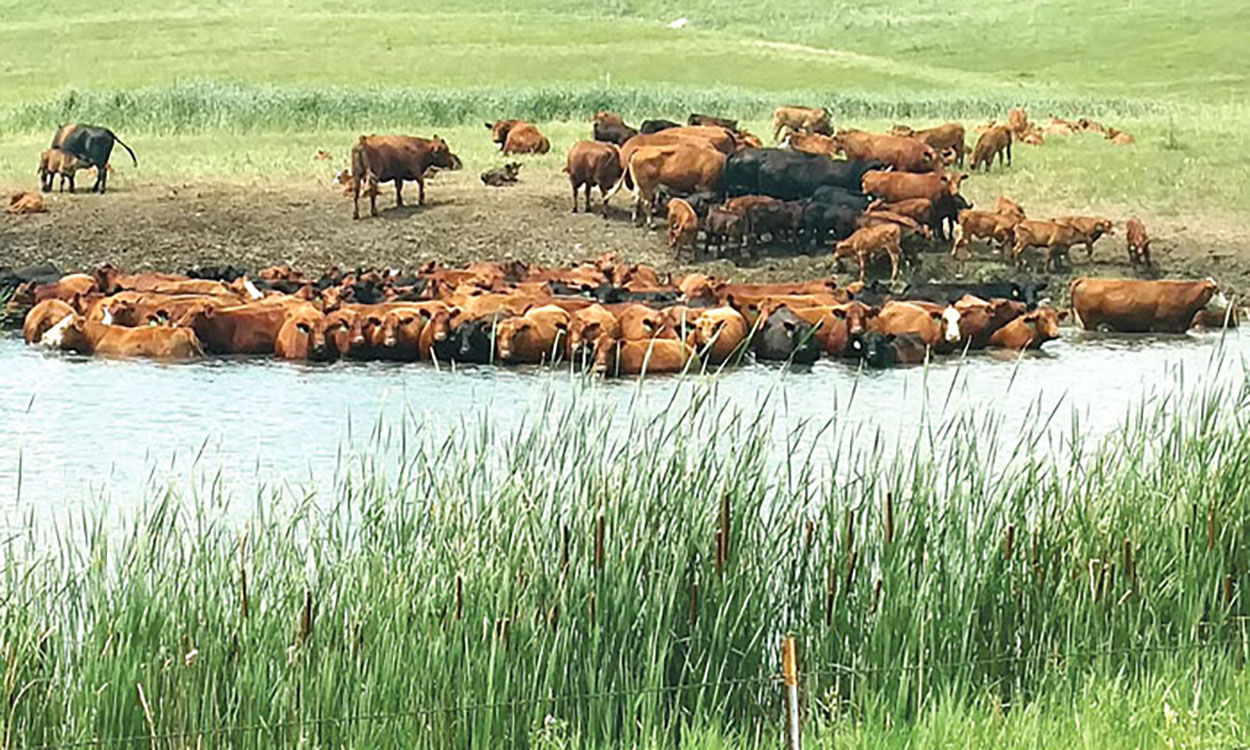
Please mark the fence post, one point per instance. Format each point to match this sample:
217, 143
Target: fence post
790, 676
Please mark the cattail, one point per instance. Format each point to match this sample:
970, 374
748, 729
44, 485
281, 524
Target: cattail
808, 532
850, 531
1129, 571
1185, 538
724, 527
889, 518
876, 596
590, 606
831, 590
1228, 590
564, 552
242, 593
553, 617
599, 523
306, 618
1211, 526
1008, 541
850, 571
459, 596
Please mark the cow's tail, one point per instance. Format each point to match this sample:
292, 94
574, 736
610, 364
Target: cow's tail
133, 158
1076, 316
625, 180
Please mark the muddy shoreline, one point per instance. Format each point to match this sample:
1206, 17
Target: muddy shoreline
308, 225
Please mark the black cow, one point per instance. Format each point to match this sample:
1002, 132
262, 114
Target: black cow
886, 349
837, 195
41, 274
607, 294
821, 219
789, 175
611, 132
1022, 291
719, 122
786, 336
654, 126
471, 341
92, 145
945, 214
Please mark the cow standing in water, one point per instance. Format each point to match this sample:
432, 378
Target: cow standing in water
91, 145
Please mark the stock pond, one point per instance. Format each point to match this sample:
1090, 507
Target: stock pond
107, 436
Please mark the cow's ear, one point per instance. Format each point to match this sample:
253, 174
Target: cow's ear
1063, 315
562, 326
489, 126
423, 312
76, 301
839, 313
936, 315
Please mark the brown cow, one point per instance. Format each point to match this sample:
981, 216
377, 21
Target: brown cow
535, 337
904, 154
1133, 306
1090, 228
803, 120
719, 333
683, 227
997, 227
1053, 238
936, 325
518, 137
616, 357
1214, 320
1030, 330
1017, 120
979, 319
585, 328
1119, 137
893, 187
593, 164
53, 162
395, 158
817, 145
1138, 242
831, 329
941, 138
87, 337
993, 142
44, 316
243, 329
1059, 126
883, 238
25, 203
682, 168
303, 336
1008, 207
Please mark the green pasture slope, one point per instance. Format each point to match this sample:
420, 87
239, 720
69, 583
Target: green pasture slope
176, 75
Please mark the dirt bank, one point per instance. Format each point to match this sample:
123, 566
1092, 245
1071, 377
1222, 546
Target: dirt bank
309, 225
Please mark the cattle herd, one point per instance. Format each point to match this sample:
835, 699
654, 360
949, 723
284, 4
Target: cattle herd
717, 187
604, 316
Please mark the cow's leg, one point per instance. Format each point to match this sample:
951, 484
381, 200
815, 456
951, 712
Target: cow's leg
575, 188
1009, 153
421, 190
604, 195
1017, 252
863, 261
71, 183
1089, 250
399, 193
588, 188
355, 198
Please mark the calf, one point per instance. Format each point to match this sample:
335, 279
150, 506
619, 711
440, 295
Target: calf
53, 162
303, 336
803, 120
1090, 228
941, 138
593, 164
883, 238
25, 203
722, 228
996, 227
1053, 238
993, 142
616, 357
683, 227
719, 333
501, 176
1138, 242
819, 145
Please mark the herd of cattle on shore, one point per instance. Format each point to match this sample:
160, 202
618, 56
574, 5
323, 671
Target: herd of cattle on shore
604, 316
715, 183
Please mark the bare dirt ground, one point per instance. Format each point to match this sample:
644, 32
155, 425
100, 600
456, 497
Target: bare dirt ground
307, 224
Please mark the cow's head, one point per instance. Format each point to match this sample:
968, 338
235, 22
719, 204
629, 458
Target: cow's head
441, 155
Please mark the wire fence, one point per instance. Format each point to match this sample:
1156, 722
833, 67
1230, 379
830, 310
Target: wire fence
770, 679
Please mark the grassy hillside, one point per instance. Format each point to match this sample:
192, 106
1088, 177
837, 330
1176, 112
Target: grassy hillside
1122, 48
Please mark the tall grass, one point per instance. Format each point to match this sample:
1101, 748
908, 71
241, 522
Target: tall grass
208, 106
579, 583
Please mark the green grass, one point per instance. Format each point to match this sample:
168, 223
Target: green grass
464, 570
